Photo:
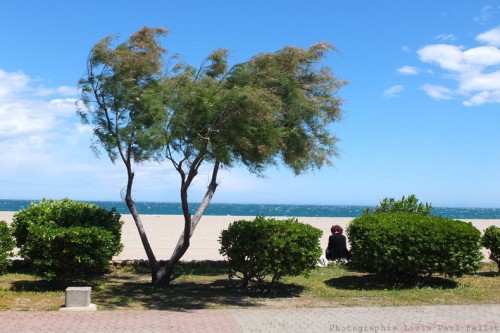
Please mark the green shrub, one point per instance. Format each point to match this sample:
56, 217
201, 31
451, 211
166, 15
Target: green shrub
268, 247
402, 245
65, 213
72, 253
67, 240
491, 241
405, 205
6, 246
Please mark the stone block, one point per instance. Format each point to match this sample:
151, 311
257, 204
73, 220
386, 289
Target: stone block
78, 299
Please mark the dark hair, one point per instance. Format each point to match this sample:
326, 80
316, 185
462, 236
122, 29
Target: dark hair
336, 229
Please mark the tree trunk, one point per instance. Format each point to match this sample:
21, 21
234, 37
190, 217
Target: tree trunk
165, 273
153, 264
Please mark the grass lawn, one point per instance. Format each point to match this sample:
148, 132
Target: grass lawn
205, 285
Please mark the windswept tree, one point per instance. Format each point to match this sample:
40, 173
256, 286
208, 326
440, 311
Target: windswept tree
274, 109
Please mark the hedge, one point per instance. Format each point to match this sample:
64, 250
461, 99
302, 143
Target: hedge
6, 246
402, 245
491, 241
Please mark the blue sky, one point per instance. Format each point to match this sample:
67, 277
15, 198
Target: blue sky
421, 111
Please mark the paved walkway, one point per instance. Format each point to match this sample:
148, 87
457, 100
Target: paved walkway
462, 318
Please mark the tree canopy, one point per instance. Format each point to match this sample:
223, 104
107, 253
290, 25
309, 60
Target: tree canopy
274, 109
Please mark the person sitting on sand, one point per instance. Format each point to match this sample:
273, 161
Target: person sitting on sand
337, 245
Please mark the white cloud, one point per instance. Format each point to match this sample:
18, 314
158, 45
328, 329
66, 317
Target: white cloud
471, 82
23, 118
62, 90
446, 56
32, 126
483, 97
84, 129
438, 92
487, 13
475, 70
454, 58
11, 83
64, 106
445, 37
42, 91
393, 91
491, 37
408, 70
46, 150
481, 57
67, 90
30, 114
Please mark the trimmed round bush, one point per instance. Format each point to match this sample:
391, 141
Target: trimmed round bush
491, 241
402, 245
65, 213
73, 253
6, 246
67, 240
269, 247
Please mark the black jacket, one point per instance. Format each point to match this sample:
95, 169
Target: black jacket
337, 247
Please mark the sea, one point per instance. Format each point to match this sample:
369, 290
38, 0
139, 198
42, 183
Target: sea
287, 210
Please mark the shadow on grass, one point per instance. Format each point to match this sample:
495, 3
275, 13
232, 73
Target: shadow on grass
375, 282
488, 274
184, 296
204, 267
37, 286
203, 284
41, 285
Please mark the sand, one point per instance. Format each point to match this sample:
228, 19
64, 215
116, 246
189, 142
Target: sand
164, 231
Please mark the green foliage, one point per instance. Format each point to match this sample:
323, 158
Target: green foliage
65, 213
404, 245
122, 87
71, 253
268, 247
491, 241
6, 246
67, 239
276, 108
405, 205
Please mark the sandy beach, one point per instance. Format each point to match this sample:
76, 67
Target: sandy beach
164, 231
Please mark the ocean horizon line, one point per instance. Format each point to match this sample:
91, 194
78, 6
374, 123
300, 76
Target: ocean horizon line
263, 209
244, 203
